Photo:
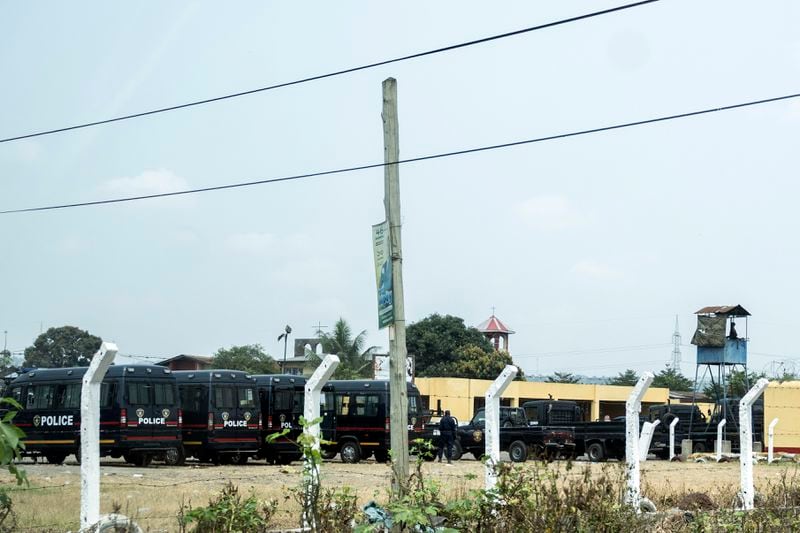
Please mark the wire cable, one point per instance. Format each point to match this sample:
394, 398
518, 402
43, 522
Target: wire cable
331, 74
403, 161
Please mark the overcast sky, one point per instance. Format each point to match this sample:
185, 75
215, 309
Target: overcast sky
588, 247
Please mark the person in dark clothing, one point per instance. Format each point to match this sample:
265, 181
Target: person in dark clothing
733, 334
447, 436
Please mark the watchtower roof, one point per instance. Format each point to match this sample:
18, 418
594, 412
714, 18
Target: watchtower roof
727, 310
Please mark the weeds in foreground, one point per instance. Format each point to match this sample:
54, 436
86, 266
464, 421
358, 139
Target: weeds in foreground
228, 513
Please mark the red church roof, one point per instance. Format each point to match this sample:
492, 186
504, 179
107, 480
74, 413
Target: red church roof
493, 325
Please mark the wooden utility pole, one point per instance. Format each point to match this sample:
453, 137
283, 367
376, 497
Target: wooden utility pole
397, 332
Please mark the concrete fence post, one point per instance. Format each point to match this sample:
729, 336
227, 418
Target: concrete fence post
771, 440
492, 427
648, 428
720, 427
633, 407
672, 437
311, 401
746, 441
90, 433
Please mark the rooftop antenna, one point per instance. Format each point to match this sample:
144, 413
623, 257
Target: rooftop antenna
676, 347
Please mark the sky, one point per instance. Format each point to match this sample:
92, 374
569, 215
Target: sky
587, 247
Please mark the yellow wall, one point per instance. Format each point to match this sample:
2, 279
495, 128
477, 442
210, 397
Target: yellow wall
782, 401
457, 394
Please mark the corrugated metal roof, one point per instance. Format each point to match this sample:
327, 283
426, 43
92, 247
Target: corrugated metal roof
731, 310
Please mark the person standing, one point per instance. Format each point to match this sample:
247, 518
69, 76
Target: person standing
447, 432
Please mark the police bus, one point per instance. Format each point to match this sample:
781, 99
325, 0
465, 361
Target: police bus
140, 417
281, 398
222, 416
356, 419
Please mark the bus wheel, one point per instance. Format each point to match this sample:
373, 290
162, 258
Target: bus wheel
175, 457
518, 451
350, 452
595, 452
381, 456
142, 459
239, 459
56, 458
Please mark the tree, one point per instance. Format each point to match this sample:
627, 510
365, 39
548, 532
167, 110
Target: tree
250, 358
628, 378
436, 342
62, 347
354, 361
563, 377
737, 385
475, 363
5, 359
672, 379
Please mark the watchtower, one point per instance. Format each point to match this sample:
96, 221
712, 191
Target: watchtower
720, 350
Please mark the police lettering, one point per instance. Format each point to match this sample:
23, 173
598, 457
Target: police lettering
53, 420
153, 421
235, 424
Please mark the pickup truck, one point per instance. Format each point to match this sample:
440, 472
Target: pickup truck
599, 440
517, 437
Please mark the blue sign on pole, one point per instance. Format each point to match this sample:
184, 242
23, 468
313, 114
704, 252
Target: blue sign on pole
383, 273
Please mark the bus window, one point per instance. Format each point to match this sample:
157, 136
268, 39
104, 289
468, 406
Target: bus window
41, 396
367, 404
297, 403
282, 400
193, 398
16, 393
138, 393
164, 393
107, 393
70, 396
247, 397
224, 397
412, 406
342, 404
326, 401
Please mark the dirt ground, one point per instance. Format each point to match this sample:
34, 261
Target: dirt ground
153, 495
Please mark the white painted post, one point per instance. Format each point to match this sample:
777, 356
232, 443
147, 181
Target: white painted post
311, 400
633, 406
719, 437
648, 428
771, 440
90, 433
672, 437
746, 441
492, 427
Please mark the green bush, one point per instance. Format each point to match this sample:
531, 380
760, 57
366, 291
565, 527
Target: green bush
228, 513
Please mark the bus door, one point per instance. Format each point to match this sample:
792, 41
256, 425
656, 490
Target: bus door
286, 406
327, 411
56, 413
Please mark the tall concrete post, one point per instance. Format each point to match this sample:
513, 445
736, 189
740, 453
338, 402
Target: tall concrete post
492, 425
311, 403
746, 441
633, 406
397, 332
90, 433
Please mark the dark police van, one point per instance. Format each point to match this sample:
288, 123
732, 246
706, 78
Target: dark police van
281, 398
140, 416
356, 419
221, 415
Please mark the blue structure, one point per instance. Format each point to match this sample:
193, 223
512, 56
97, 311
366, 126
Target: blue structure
720, 350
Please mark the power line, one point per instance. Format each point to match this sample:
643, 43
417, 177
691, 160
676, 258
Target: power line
330, 74
404, 161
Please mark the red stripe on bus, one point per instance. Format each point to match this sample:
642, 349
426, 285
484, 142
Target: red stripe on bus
130, 437
230, 439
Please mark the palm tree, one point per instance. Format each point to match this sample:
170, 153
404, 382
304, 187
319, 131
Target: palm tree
354, 361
